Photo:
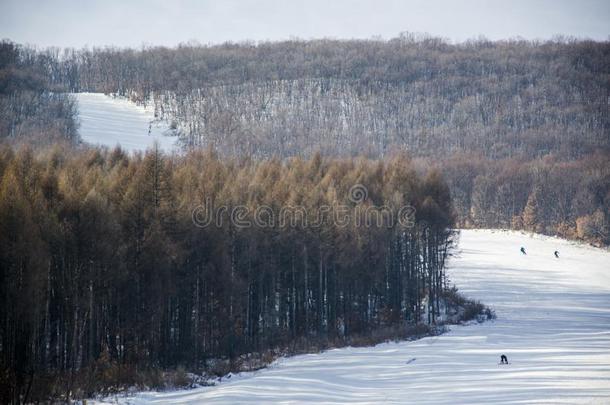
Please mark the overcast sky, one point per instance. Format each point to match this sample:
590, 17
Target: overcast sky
165, 22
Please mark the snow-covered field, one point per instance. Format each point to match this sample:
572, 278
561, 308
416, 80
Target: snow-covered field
553, 324
112, 121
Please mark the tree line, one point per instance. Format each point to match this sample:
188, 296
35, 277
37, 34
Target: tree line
532, 116
504, 99
31, 107
548, 195
541, 106
105, 264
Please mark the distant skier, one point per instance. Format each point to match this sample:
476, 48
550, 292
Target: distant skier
557, 254
523, 250
503, 359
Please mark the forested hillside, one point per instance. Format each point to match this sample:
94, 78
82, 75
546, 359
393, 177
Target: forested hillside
548, 195
110, 269
521, 129
31, 108
501, 99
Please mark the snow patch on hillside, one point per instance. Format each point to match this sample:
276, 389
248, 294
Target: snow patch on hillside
553, 324
111, 121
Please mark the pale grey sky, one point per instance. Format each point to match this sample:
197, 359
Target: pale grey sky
163, 22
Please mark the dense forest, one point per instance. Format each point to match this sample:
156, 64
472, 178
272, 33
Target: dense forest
521, 129
31, 107
106, 259
507, 99
548, 195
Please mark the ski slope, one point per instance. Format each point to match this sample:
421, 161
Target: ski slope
553, 324
109, 121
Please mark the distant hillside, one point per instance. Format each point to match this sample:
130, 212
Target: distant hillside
520, 129
515, 99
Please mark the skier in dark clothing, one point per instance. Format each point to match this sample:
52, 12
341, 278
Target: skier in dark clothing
523, 250
557, 254
503, 359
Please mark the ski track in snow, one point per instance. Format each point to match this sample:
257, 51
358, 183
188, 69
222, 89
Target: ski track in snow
553, 324
110, 121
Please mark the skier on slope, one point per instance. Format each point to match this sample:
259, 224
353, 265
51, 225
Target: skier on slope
503, 359
557, 254
523, 250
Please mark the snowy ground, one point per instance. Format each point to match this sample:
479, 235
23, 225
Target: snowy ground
553, 324
112, 121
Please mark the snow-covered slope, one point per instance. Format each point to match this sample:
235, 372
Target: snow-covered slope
553, 324
115, 121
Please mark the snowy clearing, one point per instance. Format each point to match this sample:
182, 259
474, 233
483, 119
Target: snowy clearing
109, 121
553, 324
